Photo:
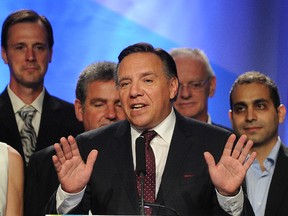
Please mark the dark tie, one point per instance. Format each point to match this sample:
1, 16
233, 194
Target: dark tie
150, 177
27, 133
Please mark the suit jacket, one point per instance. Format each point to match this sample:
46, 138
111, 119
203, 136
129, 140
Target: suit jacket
185, 186
276, 204
222, 126
58, 119
41, 181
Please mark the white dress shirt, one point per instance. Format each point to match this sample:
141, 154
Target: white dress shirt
18, 104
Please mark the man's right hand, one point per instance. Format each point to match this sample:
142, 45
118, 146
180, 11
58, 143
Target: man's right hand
73, 173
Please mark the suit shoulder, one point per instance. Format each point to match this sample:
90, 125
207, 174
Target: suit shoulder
4, 97
192, 125
107, 131
285, 149
222, 126
59, 101
43, 153
56, 101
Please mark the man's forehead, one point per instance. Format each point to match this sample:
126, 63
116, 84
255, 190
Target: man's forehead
250, 93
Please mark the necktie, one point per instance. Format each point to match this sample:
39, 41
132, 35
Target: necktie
27, 133
149, 179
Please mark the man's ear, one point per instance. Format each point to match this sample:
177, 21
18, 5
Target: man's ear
281, 113
4, 55
173, 87
51, 54
78, 110
230, 115
212, 86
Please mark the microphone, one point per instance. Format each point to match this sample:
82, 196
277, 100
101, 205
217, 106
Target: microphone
140, 156
171, 210
141, 167
141, 172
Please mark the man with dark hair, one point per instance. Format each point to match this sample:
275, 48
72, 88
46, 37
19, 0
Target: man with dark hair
97, 104
177, 178
33, 118
256, 111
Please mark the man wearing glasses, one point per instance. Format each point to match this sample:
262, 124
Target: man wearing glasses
197, 83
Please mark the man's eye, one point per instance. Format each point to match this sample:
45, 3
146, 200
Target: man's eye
239, 109
123, 84
118, 104
261, 106
40, 47
148, 80
195, 85
98, 104
19, 47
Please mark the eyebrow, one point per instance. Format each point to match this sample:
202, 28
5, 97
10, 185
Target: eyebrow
24, 43
144, 74
98, 100
242, 103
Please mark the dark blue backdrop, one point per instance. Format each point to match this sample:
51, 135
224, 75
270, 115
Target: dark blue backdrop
237, 36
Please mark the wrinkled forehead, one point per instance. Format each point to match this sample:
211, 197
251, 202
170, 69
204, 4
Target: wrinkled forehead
139, 63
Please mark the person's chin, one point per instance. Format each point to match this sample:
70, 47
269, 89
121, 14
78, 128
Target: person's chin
105, 124
188, 112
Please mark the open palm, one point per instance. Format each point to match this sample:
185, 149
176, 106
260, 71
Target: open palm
228, 174
72, 172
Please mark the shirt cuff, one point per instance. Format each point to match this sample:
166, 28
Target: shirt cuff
67, 201
233, 205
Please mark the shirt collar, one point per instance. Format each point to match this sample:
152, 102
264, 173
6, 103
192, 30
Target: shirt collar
164, 129
17, 103
269, 162
209, 121
274, 153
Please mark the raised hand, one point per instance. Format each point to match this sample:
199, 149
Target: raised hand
228, 174
73, 173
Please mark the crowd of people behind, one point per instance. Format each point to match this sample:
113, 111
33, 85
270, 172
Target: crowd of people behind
62, 158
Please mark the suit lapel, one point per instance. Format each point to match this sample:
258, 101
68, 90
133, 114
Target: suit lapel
49, 120
279, 183
179, 147
122, 151
9, 131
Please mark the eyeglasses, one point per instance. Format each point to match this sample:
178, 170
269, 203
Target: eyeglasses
195, 85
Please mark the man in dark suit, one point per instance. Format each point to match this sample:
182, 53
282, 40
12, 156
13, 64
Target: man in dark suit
97, 104
26, 42
147, 82
256, 111
197, 83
